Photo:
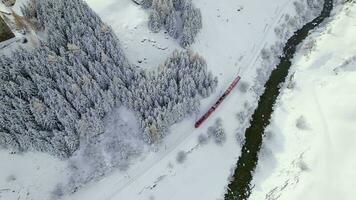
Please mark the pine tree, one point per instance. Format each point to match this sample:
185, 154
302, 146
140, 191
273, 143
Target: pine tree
155, 21
146, 3
192, 23
172, 25
43, 115
179, 4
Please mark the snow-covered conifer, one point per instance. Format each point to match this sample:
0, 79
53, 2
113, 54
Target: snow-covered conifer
155, 21
172, 25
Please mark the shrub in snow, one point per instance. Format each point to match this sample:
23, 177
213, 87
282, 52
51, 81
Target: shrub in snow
302, 124
268, 135
241, 116
243, 87
217, 132
203, 139
265, 54
179, 17
58, 192
181, 156
240, 138
11, 178
303, 166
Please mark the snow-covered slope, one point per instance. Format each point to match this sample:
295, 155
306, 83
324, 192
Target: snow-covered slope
309, 150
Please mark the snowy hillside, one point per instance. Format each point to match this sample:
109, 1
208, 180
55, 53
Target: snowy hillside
310, 145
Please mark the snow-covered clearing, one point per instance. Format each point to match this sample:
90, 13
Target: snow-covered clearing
309, 150
129, 21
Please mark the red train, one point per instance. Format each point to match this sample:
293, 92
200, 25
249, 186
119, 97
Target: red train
216, 105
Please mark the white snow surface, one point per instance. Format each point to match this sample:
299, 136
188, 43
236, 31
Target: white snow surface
316, 160
230, 41
129, 22
29, 175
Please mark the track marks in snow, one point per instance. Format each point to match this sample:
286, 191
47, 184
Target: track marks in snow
326, 128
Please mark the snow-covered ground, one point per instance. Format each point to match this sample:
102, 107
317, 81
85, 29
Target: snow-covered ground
233, 34
29, 175
129, 21
231, 39
309, 150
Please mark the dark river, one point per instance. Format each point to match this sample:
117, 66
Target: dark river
240, 187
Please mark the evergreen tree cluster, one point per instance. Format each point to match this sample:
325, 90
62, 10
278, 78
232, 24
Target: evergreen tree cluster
55, 97
167, 95
178, 17
114, 149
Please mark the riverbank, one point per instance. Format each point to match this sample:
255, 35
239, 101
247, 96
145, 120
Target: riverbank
308, 153
240, 187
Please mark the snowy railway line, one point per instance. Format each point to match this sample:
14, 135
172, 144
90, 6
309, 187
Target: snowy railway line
217, 104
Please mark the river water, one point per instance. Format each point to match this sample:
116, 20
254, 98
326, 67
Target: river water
240, 187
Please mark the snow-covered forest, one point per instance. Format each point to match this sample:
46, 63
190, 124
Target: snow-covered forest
54, 98
180, 18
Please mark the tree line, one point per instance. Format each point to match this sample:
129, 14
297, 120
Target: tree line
54, 98
180, 18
